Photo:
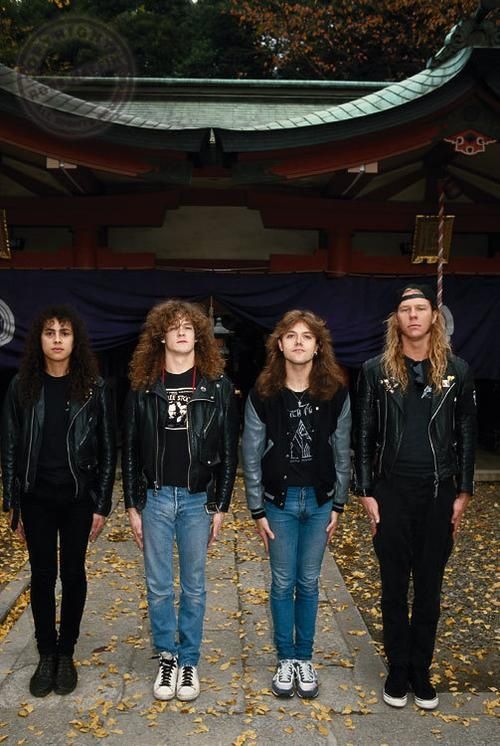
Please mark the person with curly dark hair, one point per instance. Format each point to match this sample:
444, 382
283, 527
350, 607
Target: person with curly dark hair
58, 463
179, 463
296, 461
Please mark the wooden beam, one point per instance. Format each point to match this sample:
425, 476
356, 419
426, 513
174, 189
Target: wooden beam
32, 184
79, 180
385, 191
98, 155
136, 209
321, 159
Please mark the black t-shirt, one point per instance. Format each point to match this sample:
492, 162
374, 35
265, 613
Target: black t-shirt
179, 390
53, 472
300, 438
415, 453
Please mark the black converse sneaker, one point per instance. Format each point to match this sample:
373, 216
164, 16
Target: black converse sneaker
166, 679
424, 693
306, 680
395, 691
283, 679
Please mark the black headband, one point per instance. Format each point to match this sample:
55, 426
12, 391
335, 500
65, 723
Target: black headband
409, 292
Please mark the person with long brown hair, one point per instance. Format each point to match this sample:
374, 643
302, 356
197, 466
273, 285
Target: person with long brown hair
296, 460
58, 465
414, 467
179, 453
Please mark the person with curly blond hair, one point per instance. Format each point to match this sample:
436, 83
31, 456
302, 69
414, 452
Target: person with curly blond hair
179, 461
415, 429
296, 460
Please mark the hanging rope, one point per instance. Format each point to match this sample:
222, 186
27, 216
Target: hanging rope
440, 246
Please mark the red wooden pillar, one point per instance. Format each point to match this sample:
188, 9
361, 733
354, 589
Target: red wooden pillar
85, 245
339, 247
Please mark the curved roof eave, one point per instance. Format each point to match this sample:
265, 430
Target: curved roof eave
22, 96
393, 105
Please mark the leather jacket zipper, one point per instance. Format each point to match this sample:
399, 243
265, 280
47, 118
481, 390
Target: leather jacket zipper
26, 483
67, 444
382, 447
436, 473
188, 428
157, 453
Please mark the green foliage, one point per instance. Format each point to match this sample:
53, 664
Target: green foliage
363, 40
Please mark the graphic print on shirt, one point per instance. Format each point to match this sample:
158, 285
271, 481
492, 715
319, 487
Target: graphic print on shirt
300, 432
177, 408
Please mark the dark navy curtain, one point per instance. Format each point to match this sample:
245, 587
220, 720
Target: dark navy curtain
114, 304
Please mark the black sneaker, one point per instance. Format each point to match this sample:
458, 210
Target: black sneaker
66, 675
43, 680
395, 691
424, 693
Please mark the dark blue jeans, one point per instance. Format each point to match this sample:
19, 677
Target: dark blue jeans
296, 554
413, 539
45, 522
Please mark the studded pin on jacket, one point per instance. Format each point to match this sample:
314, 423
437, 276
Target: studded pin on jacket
380, 420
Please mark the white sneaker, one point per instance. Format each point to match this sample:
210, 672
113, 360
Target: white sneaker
283, 679
166, 679
188, 683
306, 680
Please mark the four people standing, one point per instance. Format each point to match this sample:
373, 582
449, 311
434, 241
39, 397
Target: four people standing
414, 460
296, 460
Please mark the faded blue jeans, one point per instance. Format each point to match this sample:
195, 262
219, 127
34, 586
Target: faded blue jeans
173, 514
296, 554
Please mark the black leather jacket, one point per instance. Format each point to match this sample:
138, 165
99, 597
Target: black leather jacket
90, 442
212, 426
380, 421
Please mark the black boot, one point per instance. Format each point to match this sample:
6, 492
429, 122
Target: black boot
43, 680
66, 675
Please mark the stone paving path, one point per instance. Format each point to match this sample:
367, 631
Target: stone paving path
113, 702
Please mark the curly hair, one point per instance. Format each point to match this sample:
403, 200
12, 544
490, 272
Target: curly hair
148, 359
326, 376
393, 359
83, 366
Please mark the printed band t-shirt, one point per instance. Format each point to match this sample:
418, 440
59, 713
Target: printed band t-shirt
300, 438
179, 390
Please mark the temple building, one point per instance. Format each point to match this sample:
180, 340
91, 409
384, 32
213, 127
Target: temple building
256, 197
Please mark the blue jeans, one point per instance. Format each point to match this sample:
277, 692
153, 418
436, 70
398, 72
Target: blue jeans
175, 514
296, 554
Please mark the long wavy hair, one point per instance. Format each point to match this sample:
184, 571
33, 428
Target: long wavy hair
393, 359
83, 366
326, 376
148, 359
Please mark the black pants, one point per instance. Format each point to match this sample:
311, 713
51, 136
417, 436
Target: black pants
44, 521
414, 537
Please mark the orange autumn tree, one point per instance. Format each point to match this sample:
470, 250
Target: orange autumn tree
343, 39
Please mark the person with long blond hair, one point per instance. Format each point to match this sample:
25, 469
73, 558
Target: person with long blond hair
296, 461
179, 461
415, 429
